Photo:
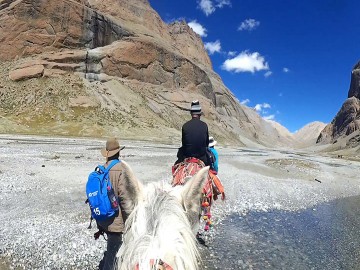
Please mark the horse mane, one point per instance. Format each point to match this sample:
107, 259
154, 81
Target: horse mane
158, 228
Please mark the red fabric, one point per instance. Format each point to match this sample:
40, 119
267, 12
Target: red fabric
212, 188
216, 182
189, 167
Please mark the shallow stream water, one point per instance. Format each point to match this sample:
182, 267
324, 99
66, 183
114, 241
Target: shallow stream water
323, 237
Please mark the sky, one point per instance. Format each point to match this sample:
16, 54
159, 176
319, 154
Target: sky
290, 60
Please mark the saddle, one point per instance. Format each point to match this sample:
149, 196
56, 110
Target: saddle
189, 167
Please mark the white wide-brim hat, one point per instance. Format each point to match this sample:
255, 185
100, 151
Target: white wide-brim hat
212, 142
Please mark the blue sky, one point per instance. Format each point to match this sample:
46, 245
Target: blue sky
289, 59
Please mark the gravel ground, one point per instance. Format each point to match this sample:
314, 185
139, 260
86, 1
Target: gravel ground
43, 180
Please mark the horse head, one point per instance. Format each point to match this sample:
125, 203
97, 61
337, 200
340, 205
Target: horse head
162, 223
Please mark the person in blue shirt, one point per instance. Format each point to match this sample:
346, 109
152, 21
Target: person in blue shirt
215, 165
218, 187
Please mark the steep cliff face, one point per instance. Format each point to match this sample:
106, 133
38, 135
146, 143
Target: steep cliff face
187, 42
354, 90
138, 16
31, 27
138, 77
347, 119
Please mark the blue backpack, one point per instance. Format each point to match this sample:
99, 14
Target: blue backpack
100, 194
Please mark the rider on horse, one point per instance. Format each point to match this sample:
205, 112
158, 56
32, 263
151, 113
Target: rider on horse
195, 137
194, 155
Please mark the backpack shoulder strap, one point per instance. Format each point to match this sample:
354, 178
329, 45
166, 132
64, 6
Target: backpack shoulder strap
112, 164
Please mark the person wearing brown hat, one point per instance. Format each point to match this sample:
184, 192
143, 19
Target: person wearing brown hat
113, 227
195, 136
112, 148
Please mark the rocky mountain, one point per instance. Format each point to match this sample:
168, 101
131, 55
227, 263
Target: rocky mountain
307, 135
282, 133
347, 120
112, 68
303, 138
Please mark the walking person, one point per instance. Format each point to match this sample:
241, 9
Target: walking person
113, 227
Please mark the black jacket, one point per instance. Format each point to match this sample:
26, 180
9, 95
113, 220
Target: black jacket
195, 140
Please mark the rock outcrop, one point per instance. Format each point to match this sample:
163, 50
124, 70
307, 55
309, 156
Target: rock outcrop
347, 119
31, 27
136, 75
25, 73
354, 90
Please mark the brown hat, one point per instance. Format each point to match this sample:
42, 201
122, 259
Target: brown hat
112, 148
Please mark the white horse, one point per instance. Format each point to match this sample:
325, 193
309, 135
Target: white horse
160, 230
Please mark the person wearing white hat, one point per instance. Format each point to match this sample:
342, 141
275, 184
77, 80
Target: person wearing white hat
218, 187
215, 164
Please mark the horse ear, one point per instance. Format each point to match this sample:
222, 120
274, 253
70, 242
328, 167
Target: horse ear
130, 189
191, 195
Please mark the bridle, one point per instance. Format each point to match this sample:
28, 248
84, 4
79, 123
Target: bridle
160, 265
157, 264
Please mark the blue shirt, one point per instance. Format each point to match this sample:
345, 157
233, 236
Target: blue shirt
216, 155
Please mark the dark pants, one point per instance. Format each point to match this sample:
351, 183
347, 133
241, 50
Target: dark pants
181, 155
114, 242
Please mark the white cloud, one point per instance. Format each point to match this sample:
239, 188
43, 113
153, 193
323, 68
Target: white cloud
232, 53
198, 28
246, 62
249, 25
269, 117
268, 73
222, 3
213, 47
260, 107
286, 70
245, 101
209, 6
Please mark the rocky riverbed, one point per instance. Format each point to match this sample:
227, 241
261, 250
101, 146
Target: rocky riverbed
45, 218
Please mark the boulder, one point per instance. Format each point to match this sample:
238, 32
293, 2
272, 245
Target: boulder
27, 73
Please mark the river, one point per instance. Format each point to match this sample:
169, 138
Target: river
322, 237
